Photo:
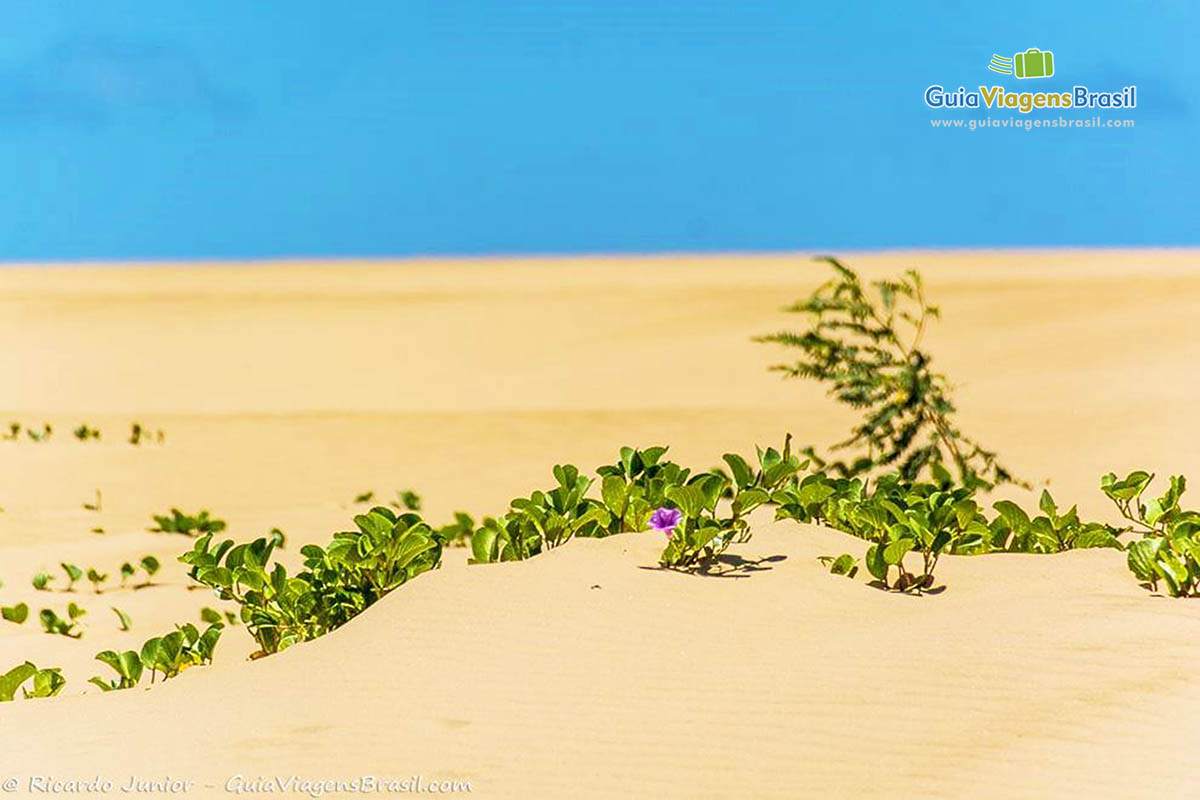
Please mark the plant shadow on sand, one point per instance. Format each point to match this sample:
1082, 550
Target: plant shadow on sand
727, 565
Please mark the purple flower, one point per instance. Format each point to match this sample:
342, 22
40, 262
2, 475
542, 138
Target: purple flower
665, 520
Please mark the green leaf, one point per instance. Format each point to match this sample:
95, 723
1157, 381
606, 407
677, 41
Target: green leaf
689, 499
877, 565
743, 475
18, 613
613, 492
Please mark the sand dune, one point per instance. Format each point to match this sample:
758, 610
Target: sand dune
284, 390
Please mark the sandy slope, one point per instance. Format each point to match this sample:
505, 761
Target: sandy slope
285, 390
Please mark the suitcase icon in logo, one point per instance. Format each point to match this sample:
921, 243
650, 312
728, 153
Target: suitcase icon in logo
1034, 63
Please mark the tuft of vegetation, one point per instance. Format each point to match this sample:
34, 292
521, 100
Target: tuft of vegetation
85, 433
46, 682
406, 500
97, 579
865, 343
40, 436
168, 655
69, 627
337, 583
74, 573
1169, 547
542, 521
188, 525
845, 564
702, 533
457, 533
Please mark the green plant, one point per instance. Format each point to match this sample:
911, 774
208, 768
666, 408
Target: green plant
406, 500
635, 486
41, 582
18, 613
84, 433
364, 497
74, 573
165, 655
845, 564
150, 566
52, 623
137, 433
542, 521
700, 534
46, 682
42, 435
122, 618
867, 347
94, 506
14, 431
188, 525
96, 578
210, 615
338, 582
127, 665
1013, 530
457, 533
127, 572
1169, 549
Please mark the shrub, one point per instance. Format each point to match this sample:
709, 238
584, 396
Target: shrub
338, 582
867, 346
178, 522
1169, 549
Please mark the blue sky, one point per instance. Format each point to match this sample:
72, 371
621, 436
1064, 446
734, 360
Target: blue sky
231, 130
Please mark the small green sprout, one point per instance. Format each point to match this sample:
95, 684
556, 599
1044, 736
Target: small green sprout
95, 505
52, 623
74, 573
136, 433
188, 525
14, 430
96, 578
150, 566
42, 581
83, 433
277, 538
42, 435
122, 618
406, 500
46, 682
210, 615
127, 665
18, 613
127, 571
364, 497
845, 564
